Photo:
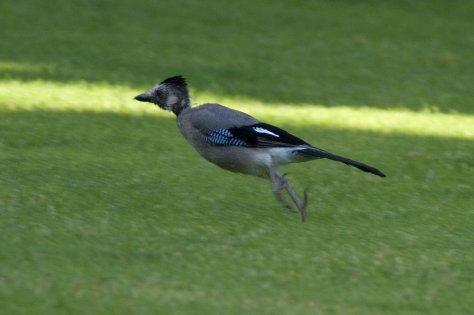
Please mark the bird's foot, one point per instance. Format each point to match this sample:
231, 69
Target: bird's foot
278, 193
301, 206
305, 198
302, 209
279, 197
280, 183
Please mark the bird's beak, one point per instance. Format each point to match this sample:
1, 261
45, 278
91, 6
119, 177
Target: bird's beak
144, 97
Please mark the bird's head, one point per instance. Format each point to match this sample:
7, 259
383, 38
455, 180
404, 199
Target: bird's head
170, 94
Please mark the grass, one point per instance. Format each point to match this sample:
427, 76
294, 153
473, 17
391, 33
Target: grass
104, 209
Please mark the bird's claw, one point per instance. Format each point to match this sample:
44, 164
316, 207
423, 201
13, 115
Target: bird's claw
302, 210
305, 198
281, 183
304, 205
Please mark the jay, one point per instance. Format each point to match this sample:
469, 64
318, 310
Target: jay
238, 142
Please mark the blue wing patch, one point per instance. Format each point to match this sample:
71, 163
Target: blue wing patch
222, 136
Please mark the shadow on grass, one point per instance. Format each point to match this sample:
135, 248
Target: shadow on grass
322, 52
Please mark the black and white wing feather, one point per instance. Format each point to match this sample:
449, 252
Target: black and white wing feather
260, 135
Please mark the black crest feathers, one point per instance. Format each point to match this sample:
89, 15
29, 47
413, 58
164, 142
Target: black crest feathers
176, 80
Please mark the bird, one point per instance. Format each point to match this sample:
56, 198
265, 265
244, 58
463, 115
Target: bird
238, 142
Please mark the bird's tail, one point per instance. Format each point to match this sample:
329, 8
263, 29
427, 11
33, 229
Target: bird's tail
318, 153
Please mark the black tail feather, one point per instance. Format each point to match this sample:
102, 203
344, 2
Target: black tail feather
318, 153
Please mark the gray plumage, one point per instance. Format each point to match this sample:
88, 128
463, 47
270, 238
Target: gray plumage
238, 142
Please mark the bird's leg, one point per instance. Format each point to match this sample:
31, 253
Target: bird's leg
277, 186
305, 198
279, 183
301, 206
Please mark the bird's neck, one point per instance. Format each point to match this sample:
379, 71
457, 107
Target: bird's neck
180, 106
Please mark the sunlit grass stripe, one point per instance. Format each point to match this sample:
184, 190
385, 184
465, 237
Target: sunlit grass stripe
102, 97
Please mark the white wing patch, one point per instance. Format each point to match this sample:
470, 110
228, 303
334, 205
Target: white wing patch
263, 130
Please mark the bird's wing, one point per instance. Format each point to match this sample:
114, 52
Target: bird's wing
224, 126
260, 135
208, 117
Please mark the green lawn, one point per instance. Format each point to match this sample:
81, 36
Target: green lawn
105, 209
